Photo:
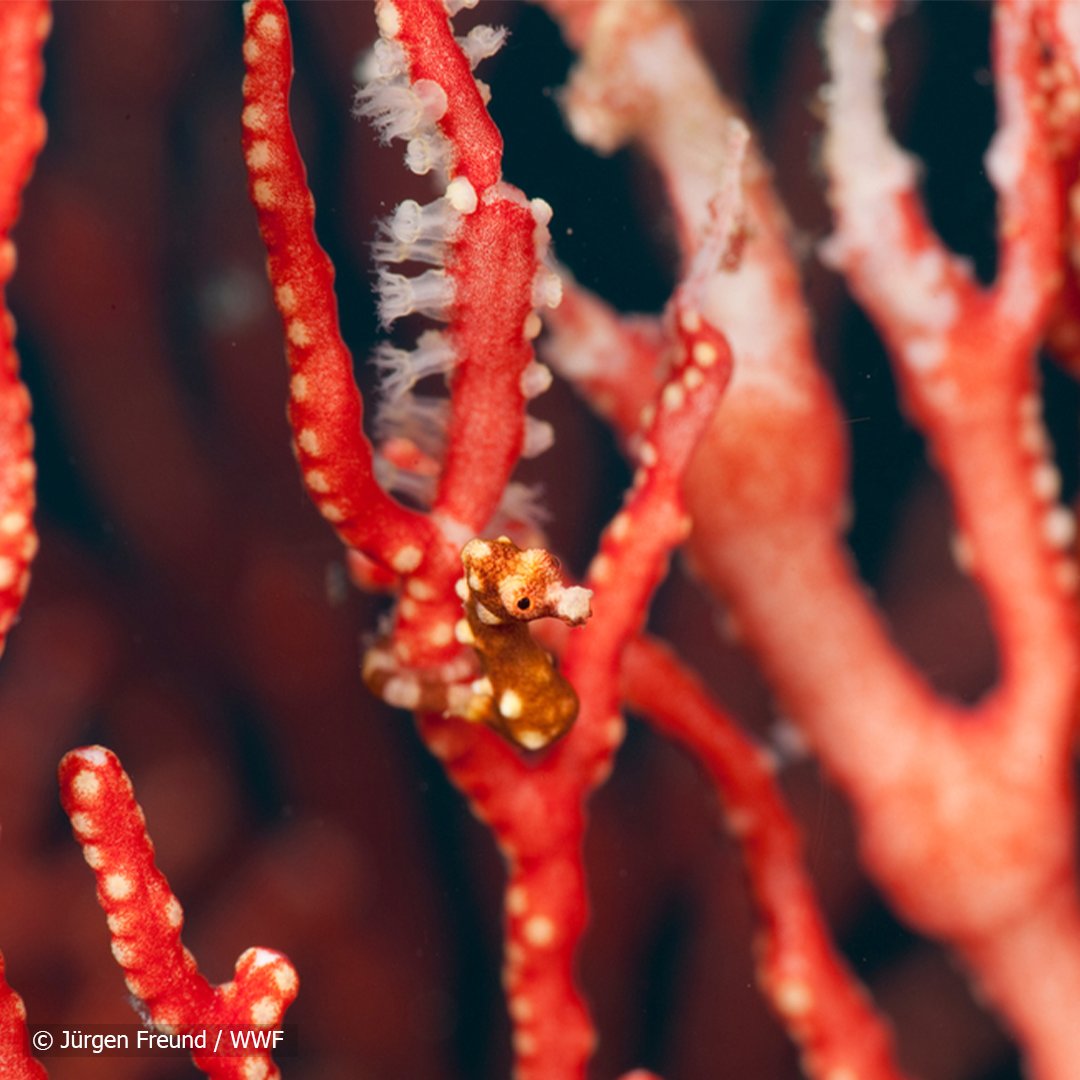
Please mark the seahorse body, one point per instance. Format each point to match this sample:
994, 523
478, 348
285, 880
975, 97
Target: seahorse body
521, 693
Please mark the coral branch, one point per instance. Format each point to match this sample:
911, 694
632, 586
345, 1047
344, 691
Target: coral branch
422, 29
145, 920
23, 29
487, 240
771, 545
16, 1061
1059, 83
813, 992
966, 816
537, 813
325, 410
917, 292
612, 360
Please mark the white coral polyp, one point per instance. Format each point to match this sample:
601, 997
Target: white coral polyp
421, 419
430, 293
402, 369
417, 233
482, 42
401, 111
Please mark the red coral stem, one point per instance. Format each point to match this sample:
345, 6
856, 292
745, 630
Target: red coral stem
423, 29
16, 1062
815, 995
23, 29
145, 920
325, 408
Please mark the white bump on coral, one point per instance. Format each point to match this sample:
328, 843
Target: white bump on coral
541, 211
285, 296
117, 886
86, 785
421, 590
388, 19
308, 441
535, 380
704, 354
298, 333
1059, 527
406, 559
520, 1008
1046, 481
615, 729
673, 396
124, 953
547, 289
269, 27
539, 436
316, 481
118, 922
253, 117
262, 191
174, 913
692, 378
265, 1011
258, 155
539, 931
255, 1068
461, 195
793, 998
285, 978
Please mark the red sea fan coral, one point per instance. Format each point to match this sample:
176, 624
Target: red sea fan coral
191, 611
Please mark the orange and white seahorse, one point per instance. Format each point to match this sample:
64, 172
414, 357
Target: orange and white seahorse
521, 693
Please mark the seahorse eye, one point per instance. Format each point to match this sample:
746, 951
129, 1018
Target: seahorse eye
524, 603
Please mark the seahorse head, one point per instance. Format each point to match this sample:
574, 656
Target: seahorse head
515, 584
